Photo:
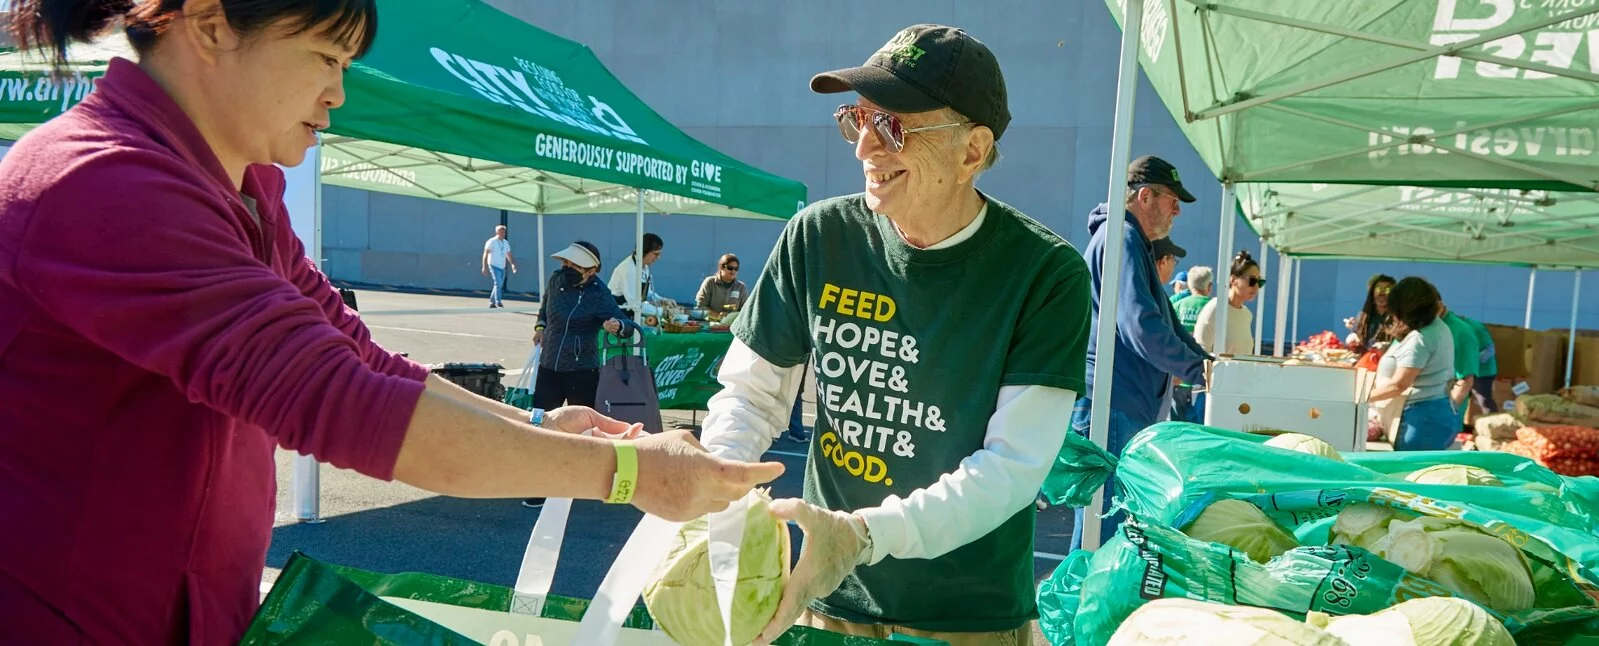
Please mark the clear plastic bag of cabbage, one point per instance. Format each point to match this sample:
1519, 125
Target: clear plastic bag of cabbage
682, 592
1171, 473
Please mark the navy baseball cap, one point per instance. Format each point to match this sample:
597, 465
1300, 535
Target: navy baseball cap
927, 67
1150, 169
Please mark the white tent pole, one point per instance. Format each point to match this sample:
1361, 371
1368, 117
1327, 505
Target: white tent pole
1571, 342
1223, 274
1121, 139
1284, 275
1532, 283
638, 254
1294, 332
307, 471
1260, 300
543, 277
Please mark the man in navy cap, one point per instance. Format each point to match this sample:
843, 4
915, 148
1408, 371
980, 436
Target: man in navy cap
932, 438
1151, 345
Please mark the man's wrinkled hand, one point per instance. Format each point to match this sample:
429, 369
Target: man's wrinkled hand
835, 543
577, 419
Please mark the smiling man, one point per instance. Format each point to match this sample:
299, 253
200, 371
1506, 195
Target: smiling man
948, 333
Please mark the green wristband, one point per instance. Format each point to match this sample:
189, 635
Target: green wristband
625, 482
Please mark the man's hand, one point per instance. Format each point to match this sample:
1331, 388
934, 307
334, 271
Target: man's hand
679, 480
835, 542
613, 326
485, 270
538, 337
513, 267
577, 419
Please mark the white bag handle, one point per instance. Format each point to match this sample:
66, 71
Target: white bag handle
530, 371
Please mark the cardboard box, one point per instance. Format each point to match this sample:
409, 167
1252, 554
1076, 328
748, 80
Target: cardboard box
1321, 401
1546, 362
1510, 347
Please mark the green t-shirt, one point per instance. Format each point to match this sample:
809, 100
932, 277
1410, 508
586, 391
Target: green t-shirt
910, 348
1487, 355
1178, 296
1466, 348
1188, 310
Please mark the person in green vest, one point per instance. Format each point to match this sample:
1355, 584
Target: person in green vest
934, 431
1467, 361
1187, 405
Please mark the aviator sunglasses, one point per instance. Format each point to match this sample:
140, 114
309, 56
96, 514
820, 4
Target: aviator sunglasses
890, 130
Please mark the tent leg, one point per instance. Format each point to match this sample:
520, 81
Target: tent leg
1571, 342
1294, 332
1223, 273
1532, 282
1285, 275
1260, 303
542, 274
307, 471
638, 241
1115, 228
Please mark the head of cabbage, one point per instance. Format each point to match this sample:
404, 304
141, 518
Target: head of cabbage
1429, 621
1454, 474
1473, 563
1243, 527
681, 595
1305, 444
1186, 621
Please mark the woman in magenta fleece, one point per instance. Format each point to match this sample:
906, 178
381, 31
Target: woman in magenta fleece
161, 331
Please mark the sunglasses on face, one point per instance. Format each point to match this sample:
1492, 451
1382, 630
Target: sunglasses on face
852, 119
730, 267
1255, 281
1383, 291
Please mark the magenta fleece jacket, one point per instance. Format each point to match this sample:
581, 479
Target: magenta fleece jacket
156, 343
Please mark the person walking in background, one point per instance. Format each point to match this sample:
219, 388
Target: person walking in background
625, 278
496, 259
722, 291
1243, 285
1420, 363
574, 307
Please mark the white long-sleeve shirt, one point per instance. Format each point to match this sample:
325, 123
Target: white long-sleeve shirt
624, 282
1021, 441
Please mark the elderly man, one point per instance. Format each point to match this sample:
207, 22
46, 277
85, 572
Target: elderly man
1151, 345
933, 436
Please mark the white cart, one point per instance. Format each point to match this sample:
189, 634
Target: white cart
1268, 394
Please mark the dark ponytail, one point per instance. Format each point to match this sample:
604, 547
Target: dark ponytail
52, 25
1241, 264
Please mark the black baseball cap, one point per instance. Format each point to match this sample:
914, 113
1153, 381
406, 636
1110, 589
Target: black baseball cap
927, 67
1165, 247
1150, 169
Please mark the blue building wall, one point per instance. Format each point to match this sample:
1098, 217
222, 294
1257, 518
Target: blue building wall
734, 75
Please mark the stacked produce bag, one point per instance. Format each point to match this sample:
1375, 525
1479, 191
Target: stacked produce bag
1559, 431
1411, 548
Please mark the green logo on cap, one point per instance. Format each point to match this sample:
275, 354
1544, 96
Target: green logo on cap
1174, 176
902, 49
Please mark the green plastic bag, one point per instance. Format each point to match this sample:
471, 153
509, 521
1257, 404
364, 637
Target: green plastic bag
1080, 469
317, 603
1170, 472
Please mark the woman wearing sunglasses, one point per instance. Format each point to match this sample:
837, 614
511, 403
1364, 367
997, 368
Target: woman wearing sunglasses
722, 291
1243, 286
1370, 327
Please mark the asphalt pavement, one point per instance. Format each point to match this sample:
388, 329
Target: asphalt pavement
392, 527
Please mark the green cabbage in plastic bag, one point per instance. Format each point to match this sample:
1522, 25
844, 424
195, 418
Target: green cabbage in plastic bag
1454, 474
1430, 621
681, 595
1201, 623
1242, 526
1305, 444
1482, 567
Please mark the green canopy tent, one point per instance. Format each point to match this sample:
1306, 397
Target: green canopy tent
461, 102
1435, 93
1514, 227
